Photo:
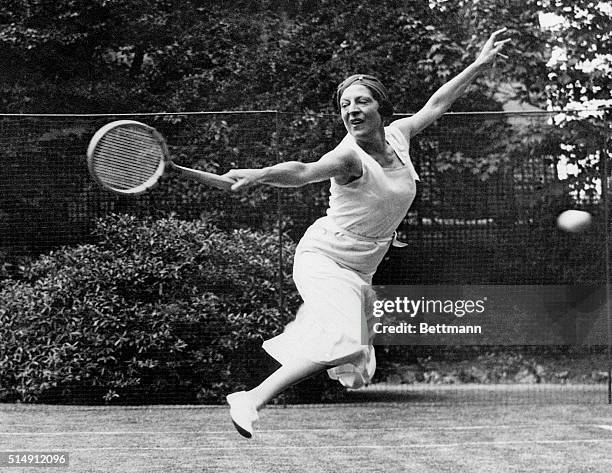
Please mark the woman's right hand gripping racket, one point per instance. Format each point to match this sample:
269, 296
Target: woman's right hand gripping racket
129, 157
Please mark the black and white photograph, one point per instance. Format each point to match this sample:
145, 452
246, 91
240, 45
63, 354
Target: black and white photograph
313, 236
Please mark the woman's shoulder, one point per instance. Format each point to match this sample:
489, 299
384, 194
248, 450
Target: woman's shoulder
398, 139
346, 149
401, 144
346, 142
347, 153
397, 133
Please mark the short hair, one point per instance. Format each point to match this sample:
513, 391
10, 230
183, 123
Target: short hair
376, 87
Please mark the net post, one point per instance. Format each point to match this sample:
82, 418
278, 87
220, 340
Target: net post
279, 217
605, 201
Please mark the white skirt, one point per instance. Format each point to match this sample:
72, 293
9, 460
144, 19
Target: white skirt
330, 328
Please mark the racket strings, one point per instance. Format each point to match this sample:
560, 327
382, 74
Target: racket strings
127, 157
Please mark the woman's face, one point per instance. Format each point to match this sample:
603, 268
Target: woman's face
359, 111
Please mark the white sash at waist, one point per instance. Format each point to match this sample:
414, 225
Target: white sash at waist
331, 224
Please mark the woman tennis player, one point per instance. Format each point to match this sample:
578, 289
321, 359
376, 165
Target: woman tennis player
372, 188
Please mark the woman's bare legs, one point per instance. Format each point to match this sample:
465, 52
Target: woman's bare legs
284, 377
244, 405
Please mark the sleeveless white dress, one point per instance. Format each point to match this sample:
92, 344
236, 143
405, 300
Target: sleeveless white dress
336, 257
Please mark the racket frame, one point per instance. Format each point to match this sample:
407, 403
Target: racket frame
161, 168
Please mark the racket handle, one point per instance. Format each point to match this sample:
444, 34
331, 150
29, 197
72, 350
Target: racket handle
208, 178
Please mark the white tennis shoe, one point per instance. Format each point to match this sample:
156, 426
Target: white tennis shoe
242, 412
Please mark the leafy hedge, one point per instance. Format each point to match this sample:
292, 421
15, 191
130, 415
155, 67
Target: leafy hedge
156, 311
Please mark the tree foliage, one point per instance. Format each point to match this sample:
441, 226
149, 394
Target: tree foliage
182, 54
581, 72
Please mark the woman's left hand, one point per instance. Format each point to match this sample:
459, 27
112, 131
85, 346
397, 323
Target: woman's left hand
492, 48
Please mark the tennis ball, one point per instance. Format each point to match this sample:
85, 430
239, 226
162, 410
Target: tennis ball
574, 221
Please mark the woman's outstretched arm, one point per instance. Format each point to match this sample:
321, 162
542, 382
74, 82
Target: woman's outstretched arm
340, 163
446, 95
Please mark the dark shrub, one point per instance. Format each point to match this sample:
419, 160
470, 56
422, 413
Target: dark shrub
157, 311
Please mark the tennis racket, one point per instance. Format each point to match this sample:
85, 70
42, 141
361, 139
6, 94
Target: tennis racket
129, 157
